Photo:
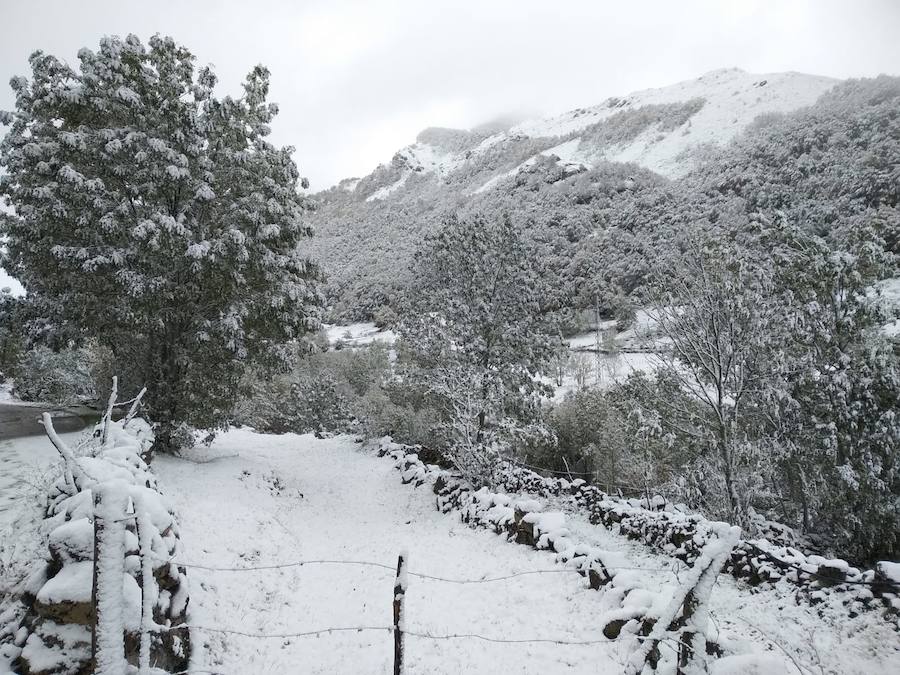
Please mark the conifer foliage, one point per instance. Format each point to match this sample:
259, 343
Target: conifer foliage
157, 218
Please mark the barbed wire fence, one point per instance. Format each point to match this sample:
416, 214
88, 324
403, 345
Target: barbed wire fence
399, 630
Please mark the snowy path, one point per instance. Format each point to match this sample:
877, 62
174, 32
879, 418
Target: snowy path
248, 509
270, 499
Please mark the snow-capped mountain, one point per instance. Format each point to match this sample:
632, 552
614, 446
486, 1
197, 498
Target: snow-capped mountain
660, 129
535, 171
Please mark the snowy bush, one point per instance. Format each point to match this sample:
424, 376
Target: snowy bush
66, 377
62, 378
331, 391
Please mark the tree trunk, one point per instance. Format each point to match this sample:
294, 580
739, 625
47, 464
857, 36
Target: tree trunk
734, 505
479, 435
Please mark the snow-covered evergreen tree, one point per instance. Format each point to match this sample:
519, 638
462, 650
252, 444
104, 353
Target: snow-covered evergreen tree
840, 417
158, 218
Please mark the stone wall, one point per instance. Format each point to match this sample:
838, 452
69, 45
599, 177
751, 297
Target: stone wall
53, 633
681, 535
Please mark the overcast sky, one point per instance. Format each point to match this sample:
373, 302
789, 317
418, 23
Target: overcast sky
356, 81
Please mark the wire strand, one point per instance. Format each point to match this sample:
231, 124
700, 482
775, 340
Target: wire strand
392, 568
309, 633
360, 629
485, 638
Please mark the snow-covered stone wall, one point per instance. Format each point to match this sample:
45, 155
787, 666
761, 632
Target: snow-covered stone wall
52, 631
680, 535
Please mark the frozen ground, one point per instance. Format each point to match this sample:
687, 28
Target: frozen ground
24, 462
279, 498
26, 471
356, 334
253, 500
807, 639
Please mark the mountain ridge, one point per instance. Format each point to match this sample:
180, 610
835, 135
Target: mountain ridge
559, 170
731, 100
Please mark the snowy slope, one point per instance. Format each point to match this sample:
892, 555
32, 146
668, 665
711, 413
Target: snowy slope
731, 99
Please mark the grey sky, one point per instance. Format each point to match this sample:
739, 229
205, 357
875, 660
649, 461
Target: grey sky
358, 80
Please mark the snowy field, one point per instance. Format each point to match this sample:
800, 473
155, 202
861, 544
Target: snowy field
256, 500
272, 499
358, 334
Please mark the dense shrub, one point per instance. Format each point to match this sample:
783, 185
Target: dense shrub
65, 377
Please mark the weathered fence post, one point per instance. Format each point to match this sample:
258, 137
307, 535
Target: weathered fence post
94, 613
107, 416
144, 525
108, 634
686, 617
399, 622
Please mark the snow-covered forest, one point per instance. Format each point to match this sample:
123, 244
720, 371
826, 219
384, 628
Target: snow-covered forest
655, 342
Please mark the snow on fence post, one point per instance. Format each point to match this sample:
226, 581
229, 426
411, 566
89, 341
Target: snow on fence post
107, 593
148, 584
687, 614
64, 450
107, 416
135, 404
399, 620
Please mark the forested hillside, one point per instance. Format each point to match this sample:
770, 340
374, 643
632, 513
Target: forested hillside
755, 258
605, 189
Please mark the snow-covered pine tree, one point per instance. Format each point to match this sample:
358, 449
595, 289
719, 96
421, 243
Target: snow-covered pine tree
481, 328
158, 218
840, 411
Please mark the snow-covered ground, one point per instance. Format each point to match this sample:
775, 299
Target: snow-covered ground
806, 639
267, 499
23, 463
255, 500
601, 371
356, 334
27, 467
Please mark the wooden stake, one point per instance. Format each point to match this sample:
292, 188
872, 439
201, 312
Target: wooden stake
399, 597
94, 612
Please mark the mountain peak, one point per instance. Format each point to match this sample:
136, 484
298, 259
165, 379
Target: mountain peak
661, 129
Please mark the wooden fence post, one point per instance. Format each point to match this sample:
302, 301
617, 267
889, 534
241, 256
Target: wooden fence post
144, 525
108, 636
94, 612
399, 619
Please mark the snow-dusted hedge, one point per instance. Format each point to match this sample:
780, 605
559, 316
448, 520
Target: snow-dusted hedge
680, 535
53, 633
